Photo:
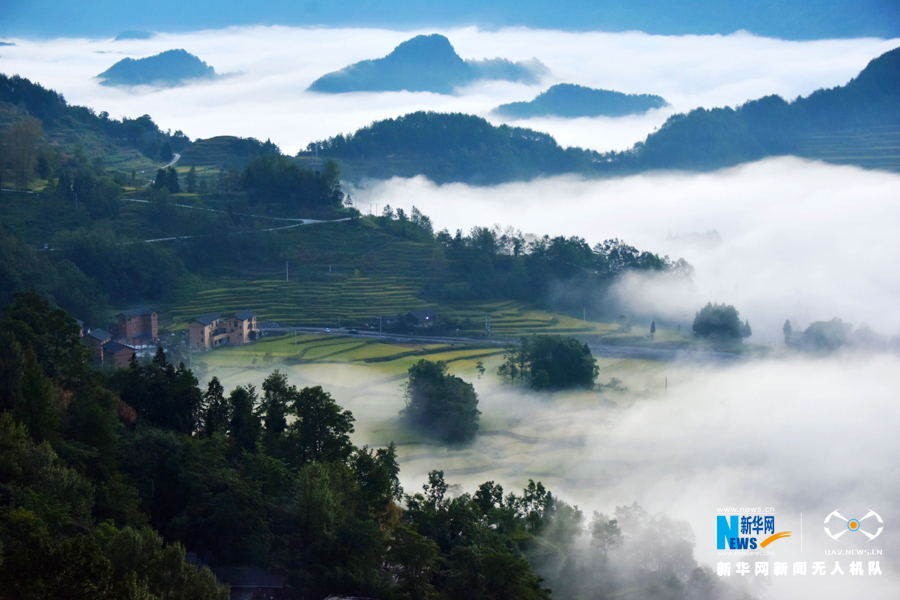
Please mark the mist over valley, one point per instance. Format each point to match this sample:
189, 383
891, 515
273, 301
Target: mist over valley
408, 347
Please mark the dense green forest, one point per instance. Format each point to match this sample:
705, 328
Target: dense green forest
56, 114
107, 478
571, 101
452, 147
772, 126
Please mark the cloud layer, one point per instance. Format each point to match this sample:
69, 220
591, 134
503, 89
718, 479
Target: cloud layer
799, 240
273, 66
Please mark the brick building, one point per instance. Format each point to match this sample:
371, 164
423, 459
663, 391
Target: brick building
137, 327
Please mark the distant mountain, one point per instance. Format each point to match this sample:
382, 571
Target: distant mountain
858, 123
451, 148
794, 20
425, 63
172, 67
570, 101
7, 44
133, 35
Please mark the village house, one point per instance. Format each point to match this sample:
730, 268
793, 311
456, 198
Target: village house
423, 317
137, 327
94, 340
212, 331
116, 354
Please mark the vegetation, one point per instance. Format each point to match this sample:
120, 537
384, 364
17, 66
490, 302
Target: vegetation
720, 321
545, 362
171, 67
61, 120
106, 480
452, 147
425, 63
851, 124
226, 152
443, 405
571, 101
771, 126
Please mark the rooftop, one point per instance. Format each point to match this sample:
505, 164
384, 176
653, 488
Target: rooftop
206, 319
113, 347
136, 312
100, 335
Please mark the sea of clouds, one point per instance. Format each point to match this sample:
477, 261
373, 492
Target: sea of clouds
795, 239
270, 68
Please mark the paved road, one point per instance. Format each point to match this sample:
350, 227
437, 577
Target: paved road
599, 350
175, 159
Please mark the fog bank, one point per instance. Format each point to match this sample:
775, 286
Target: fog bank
797, 240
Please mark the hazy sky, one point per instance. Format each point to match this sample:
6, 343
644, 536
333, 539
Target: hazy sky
271, 68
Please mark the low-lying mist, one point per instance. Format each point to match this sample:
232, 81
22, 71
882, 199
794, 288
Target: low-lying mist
271, 67
800, 435
791, 239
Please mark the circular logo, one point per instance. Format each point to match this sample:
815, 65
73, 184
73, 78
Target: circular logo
854, 525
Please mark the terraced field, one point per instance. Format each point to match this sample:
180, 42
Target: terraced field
870, 148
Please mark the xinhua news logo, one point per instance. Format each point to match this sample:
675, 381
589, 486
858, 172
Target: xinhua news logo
746, 532
843, 525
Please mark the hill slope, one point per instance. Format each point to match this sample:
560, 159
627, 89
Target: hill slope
168, 68
450, 148
858, 123
571, 101
425, 63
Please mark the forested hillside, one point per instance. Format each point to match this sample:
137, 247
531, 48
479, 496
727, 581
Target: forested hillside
452, 147
827, 124
570, 101
425, 63
858, 123
171, 67
20, 97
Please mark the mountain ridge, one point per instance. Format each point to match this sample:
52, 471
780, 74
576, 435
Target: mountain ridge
569, 100
424, 63
169, 68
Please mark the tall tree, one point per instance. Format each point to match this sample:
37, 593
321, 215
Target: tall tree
441, 404
244, 425
24, 137
216, 409
191, 180
321, 429
172, 181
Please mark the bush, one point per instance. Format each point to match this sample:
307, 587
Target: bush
550, 362
442, 405
720, 321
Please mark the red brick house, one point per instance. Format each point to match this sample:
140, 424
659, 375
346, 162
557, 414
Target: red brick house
116, 354
137, 326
